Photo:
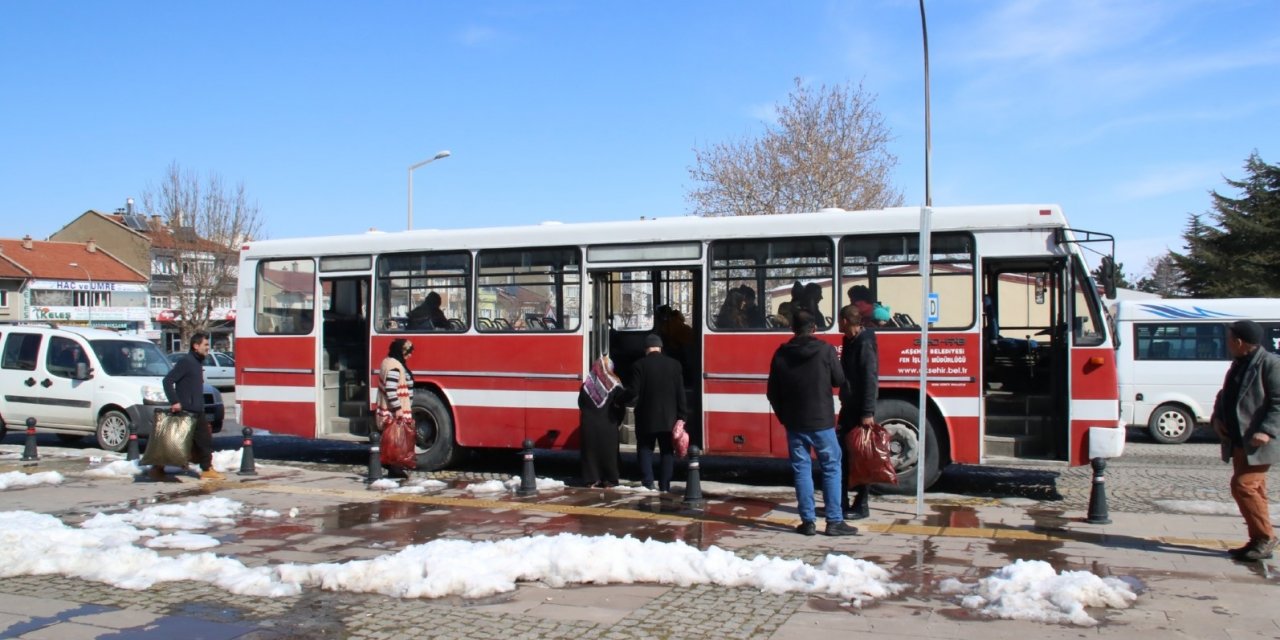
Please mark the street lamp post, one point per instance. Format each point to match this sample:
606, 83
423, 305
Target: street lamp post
90, 278
442, 154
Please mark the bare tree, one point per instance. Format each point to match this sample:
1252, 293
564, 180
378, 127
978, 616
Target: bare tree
829, 148
196, 247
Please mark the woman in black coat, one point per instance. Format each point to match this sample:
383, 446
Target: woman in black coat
601, 407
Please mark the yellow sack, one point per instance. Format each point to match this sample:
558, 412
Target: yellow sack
170, 441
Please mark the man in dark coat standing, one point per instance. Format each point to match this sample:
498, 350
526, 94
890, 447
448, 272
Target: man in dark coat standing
860, 361
801, 376
1246, 416
184, 387
658, 384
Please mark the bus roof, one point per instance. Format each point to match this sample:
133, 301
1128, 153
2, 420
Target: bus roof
1198, 309
674, 229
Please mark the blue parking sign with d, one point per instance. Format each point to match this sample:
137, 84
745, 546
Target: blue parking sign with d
933, 308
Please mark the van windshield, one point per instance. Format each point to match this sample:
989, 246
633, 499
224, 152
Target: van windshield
130, 358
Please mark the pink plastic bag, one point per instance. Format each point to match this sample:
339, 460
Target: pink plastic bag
680, 439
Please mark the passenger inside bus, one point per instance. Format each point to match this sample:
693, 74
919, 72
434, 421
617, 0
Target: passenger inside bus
428, 315
752, 314
733, 313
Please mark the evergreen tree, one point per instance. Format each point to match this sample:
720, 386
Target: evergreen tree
1237, 253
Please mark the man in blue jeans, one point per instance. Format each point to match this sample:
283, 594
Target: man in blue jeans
803, 373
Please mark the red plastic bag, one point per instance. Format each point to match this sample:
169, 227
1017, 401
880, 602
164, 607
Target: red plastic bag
870, 459
680, 439
399, 437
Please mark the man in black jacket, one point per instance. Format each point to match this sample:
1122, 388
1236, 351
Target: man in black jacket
860, 361
184, 387
801, 376
658, 384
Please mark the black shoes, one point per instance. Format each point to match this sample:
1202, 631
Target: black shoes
842, 528
1258, 550
807, 528
1238, 552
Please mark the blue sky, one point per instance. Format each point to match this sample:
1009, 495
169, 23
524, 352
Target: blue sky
1125, 112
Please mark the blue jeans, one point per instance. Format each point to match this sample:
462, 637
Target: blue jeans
824, 444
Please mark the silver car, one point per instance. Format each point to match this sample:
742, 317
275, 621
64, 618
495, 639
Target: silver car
219, 369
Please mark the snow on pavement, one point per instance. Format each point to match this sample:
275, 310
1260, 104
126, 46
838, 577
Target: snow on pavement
18, 479
1031, 590
105, 548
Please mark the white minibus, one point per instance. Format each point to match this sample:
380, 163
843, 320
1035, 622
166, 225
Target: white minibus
1172, 357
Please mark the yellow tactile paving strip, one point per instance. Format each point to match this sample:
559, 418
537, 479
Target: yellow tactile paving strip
632, 514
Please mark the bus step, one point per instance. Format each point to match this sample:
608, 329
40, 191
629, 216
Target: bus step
1016, 425
1013, 446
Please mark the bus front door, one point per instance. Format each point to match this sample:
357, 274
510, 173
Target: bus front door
1025, 358
344, 359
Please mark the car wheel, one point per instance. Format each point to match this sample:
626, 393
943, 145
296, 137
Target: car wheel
899, 418
113, 431
435, 446
1171, 424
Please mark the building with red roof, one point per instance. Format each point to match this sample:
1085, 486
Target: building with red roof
151, 246
72, 283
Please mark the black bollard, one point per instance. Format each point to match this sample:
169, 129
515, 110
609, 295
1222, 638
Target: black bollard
375, 456
29, 451
693, 486
131, 452
528, 481
1098, 494
246, 454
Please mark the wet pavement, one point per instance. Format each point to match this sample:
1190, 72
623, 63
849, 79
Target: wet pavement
1187, 587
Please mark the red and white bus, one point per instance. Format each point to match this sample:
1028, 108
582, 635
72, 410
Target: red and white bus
1021, 360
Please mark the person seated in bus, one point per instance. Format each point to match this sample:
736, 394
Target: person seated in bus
753, 314
806, 297
732, 313
782, 319
428, 315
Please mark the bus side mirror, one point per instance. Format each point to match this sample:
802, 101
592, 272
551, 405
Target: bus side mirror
1108, 274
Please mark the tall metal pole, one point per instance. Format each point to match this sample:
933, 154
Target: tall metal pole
90, 278
926, 215
442, 154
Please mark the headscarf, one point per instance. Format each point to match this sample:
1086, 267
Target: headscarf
600, 381
397, 353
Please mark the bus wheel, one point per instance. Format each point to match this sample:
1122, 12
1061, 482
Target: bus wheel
1171, 424
435, 446
899, 418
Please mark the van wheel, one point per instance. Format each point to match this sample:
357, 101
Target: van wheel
435, 447
1171, 424
899, 418
113, 431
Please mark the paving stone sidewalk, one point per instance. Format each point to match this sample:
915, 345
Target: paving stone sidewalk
1188, 586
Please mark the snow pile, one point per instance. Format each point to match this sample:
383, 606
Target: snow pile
225, 461
1031, 590
544, 484
414, 486
116, 469
40, 544
185, 515
491, 486
384, 484
14, 479
476, 569
265, 513
183, 540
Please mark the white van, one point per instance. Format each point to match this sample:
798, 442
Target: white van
1172, 358
76, 382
